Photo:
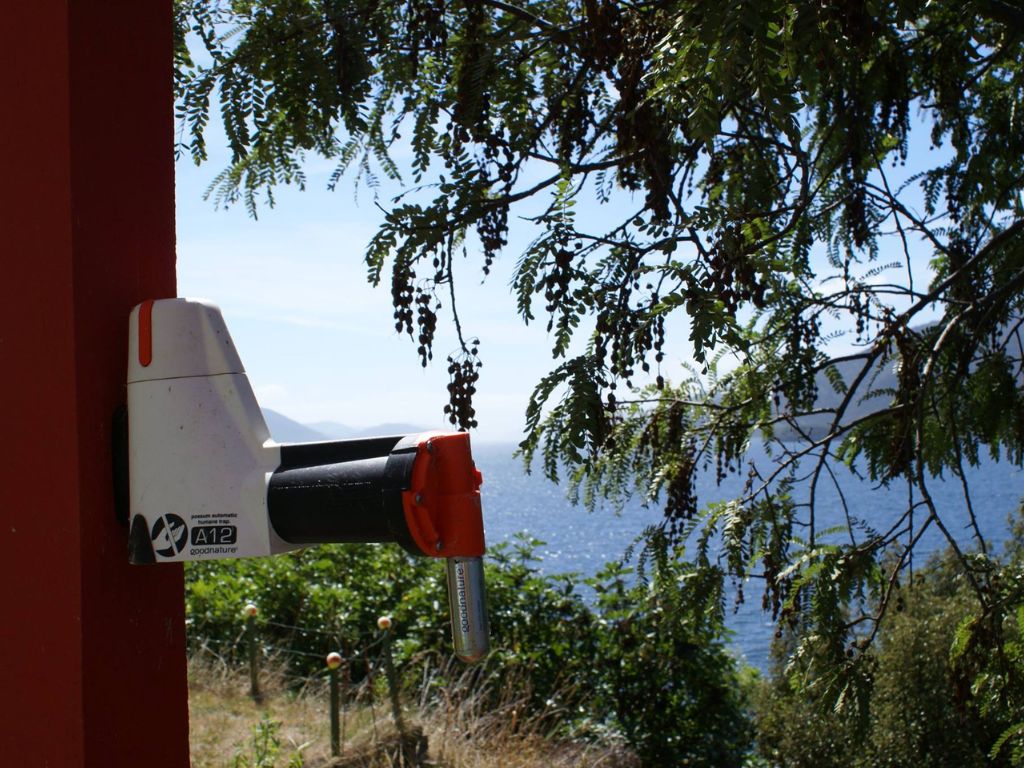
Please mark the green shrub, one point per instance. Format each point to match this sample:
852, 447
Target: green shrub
662, 671
796, 728
328, 598
643, 661
919, 717
926, 708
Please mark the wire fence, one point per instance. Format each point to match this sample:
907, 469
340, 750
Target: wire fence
337, 664
227, 649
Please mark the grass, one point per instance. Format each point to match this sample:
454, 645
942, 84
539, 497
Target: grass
290, 728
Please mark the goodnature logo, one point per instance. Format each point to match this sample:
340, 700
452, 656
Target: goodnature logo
463, 601
169, 535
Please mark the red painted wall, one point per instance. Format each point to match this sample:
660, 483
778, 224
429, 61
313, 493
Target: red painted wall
92, 661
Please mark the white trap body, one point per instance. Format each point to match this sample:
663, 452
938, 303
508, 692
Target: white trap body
207, 481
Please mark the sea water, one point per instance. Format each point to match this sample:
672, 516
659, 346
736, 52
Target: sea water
582, 542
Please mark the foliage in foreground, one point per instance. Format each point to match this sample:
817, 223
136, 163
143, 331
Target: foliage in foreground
781, 178
644, 662
933, 696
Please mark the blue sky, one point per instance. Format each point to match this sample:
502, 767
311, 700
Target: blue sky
317, 340
319, 343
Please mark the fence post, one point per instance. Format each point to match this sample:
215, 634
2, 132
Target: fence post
254, 659
384, 622
333, 662
346, 685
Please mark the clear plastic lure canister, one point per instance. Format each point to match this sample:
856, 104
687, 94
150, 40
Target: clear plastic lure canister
467, 602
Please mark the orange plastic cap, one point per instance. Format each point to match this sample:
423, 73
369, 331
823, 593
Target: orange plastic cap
442, 505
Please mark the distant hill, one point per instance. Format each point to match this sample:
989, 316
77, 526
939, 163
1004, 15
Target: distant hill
333, 429
285, 430
876, 392
882, 384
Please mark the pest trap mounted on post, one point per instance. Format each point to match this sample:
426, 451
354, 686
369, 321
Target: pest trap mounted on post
206, 480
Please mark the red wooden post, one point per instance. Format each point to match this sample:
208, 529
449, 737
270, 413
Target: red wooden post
92, 659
